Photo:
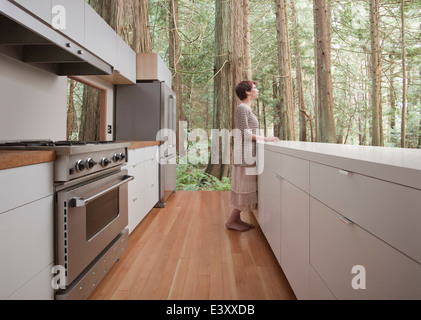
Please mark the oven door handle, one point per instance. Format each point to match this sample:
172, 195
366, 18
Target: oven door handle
77, 202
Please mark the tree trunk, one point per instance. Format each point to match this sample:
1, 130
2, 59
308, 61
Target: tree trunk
375, 74
327, 130
316, 85
285, 82
248, 71
71, 112
404, 84
223, 84
174, 64
89, 126
141, 32
300, 89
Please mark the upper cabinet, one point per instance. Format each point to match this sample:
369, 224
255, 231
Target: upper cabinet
73, 13
66, 37
40, 8
150, 66
100, 38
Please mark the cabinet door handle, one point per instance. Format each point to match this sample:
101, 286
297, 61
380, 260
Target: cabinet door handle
346, 221
345, 173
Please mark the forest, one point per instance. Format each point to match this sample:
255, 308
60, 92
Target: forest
334, 71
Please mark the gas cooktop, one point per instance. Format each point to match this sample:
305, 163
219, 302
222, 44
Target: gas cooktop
63, 147
49, 143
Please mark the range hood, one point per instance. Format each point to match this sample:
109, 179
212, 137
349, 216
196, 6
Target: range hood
29, 40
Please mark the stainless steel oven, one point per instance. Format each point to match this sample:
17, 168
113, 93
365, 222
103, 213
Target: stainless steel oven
90, 215
91, 210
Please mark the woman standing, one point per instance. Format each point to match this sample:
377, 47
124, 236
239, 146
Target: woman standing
243, 194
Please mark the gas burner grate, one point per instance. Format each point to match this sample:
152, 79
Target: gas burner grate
28, 143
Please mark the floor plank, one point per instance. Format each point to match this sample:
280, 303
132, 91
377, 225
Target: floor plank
185, 252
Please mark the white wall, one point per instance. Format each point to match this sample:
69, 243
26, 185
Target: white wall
32, 102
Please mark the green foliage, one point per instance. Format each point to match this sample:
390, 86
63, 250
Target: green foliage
193, 178
191, 175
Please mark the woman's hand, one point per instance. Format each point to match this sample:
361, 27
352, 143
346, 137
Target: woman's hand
271, 139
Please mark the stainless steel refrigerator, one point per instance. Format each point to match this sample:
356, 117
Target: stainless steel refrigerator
146, 111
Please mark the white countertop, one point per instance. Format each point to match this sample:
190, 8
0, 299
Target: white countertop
402, 166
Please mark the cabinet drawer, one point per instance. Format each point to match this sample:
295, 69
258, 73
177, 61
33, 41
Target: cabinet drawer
292, 169
336, 247
39, 288
387, 210
26, 244
296, 171
272, 162
318, 289
142, 154
23, 185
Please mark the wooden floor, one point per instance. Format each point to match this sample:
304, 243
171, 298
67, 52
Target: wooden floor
184, 252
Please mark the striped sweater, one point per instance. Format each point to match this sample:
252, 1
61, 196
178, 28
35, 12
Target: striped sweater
246, 124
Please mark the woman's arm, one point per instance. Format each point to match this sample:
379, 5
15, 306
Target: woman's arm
265, 139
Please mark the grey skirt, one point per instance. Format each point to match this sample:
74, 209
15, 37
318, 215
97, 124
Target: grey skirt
243, 194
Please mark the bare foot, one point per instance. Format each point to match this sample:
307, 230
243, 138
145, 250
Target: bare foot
250, 226
236, 226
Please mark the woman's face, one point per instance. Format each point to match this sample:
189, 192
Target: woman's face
254, 93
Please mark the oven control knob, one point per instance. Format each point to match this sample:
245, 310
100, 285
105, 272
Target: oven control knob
105, 162
91, 163
117, 157
122, 156
80, 166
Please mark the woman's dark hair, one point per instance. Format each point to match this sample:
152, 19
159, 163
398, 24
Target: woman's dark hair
242, 88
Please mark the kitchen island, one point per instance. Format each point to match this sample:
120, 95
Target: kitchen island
342, 220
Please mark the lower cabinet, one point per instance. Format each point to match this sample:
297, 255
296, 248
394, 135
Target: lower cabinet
338, 234
144, 189
283, 216
273, 218
355, 264
27, 233
294, 237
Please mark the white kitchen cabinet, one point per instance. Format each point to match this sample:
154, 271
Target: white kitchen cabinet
294, 240
27, 232
125, 67
338, 245
74, 11
273, 214
346, 218
285, 208
100, 38
388, 210
317, 288
126, 62
20, 186
67, 16
143, 190
40, 8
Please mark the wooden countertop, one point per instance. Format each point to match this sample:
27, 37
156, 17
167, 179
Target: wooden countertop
142, 144
13, 159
